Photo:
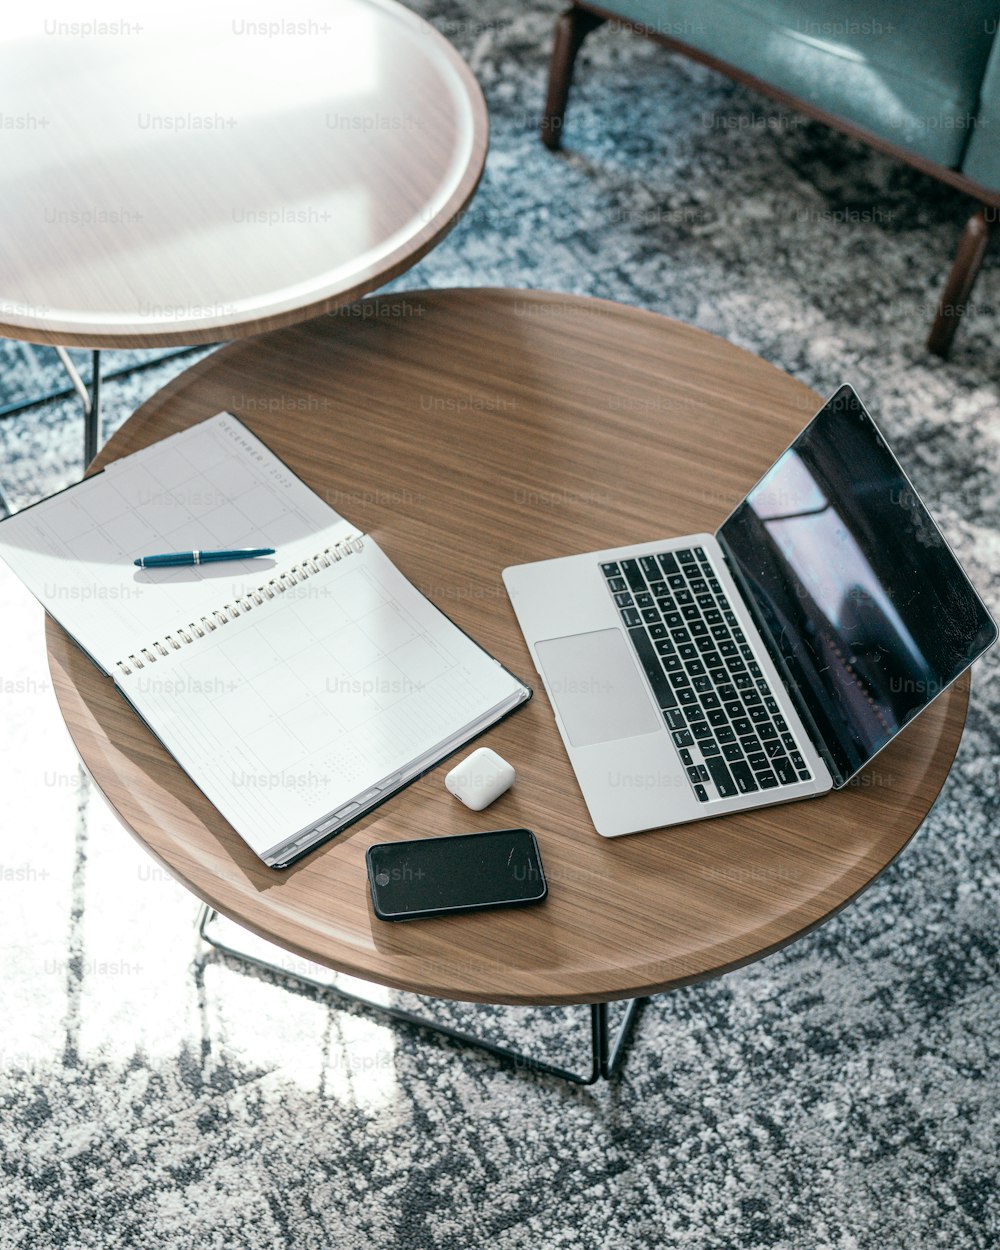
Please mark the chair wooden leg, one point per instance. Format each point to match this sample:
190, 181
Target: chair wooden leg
958, 288
572, 28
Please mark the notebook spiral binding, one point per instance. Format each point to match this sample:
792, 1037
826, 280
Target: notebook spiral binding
185, 635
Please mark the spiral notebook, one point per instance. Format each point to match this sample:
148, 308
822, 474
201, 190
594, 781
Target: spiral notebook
298, 691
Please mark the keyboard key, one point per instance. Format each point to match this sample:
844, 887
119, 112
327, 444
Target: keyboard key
710, 748
725, 734
616, 584
674, 620
758, 715
668, 564
797, 760
682, 738
804, 775
685, 755
674, 718
672, 663
698, 628
644, 601
666, 604
781, 724
788, 742
684, 596
783, 767
767, 781
716, 716
732, 751
767, 731
658, 631
735, 664
679, 679
745, 651
702, 729
680, 635
686, 697
677, 582
727, 648
658, 588
610, 569
744, 778
698, 587
703, 684
701, 794
653, 669
713, 616
734, 708
706, 645
773, 748
685, 556
707, 604
714, 584
692, 773
687, 651
665, 647
695, 667
700, 553
720, 775
758, 761
692, 614
632, 575
755, 669
750, 697
650, 615
694, 712
771, 706
749, 743
631, 617
624, 600
720, 632
650, 567
702, 773
709, 698
742, 726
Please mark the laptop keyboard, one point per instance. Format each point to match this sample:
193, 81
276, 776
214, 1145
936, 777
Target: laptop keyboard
717, 703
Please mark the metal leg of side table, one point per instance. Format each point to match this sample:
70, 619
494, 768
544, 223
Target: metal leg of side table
91, 401
606, 1057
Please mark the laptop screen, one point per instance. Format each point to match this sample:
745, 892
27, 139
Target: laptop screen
860, 598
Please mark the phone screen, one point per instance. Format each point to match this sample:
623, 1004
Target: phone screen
463, 873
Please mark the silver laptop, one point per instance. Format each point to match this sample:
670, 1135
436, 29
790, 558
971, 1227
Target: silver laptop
769, 661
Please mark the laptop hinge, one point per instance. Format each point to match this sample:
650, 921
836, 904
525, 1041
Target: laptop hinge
791, 686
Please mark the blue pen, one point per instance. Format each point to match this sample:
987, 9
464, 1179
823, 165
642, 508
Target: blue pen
172, 558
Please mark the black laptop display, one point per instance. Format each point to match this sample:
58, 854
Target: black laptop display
862, 603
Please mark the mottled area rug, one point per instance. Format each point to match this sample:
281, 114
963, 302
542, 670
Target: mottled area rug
840, 1095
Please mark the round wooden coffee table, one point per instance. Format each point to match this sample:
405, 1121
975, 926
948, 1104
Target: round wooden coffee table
469, 430
165, 182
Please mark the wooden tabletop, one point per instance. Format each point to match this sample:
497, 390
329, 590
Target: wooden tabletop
469, 430
169, 182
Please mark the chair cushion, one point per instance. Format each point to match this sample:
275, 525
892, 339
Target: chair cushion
982, 156
910, 72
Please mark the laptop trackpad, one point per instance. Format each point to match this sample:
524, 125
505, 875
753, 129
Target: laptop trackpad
594, 682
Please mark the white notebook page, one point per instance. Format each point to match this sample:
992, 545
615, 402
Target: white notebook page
293, 709
214, 485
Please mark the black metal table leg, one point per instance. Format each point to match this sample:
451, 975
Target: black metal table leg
92, 416
606, 1059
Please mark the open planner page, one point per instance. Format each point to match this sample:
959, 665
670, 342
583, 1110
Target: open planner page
313, 705
213, 486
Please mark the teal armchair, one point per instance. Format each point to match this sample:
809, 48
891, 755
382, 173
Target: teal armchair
918, 79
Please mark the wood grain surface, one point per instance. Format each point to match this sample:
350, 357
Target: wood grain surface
469, 430
168, 183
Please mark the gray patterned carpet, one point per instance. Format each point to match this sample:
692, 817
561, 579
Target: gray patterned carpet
842, 1095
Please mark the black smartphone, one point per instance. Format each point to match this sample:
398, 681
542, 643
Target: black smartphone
463, 872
